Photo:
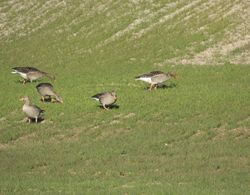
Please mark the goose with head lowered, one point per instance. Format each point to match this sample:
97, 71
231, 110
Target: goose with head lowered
106, 99
155, 78
47, 90
30, 74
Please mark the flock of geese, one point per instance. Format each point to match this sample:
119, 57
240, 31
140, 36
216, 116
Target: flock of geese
47, 92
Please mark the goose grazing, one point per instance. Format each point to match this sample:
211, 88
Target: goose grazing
31, 73
31, 111
156, 77
106, 98
47, 90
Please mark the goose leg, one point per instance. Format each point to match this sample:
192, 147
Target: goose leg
42, 98
36, 119
151, 87
53, 100
29, 120
105, 107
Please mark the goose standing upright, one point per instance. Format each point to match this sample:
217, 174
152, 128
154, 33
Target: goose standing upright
31, 111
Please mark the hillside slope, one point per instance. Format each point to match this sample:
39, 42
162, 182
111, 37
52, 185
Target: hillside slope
163, 32
190, 136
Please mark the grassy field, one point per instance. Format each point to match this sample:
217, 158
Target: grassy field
191, 137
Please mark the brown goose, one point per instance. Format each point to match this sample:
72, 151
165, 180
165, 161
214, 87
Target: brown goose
106, 98
156, 77
46, 89
31, 111
31, 73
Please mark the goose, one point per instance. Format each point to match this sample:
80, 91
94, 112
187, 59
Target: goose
47, 89
106, 98
31, 111
31, 73
155, 78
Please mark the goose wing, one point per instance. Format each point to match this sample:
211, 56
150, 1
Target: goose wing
25, 69
40, 85
150, 74
98, 96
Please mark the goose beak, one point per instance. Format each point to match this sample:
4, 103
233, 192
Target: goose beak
61, 100
177, 77
21, 99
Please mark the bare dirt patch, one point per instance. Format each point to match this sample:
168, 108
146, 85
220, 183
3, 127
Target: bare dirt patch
4, 146
21, 140
237, 133
236, 38
199, 133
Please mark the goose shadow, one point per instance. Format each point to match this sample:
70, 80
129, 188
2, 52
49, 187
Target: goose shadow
164, 86
48, 99
114, 106
33, 120
21, 81
167, 86
27, 81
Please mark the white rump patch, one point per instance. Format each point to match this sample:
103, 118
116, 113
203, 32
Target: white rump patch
95, 98
24, 75
14, 72
146, 79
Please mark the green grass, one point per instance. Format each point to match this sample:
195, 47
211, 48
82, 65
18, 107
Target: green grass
189, 138
192, 138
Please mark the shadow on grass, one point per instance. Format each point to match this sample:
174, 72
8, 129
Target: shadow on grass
164, 86
33, 120
114, 106
20, 81
27, 81
48, 99
167, 86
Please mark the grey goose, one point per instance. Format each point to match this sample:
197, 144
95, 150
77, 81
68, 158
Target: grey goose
30, 73
106, 98
31, 111
155, 78
47, 90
